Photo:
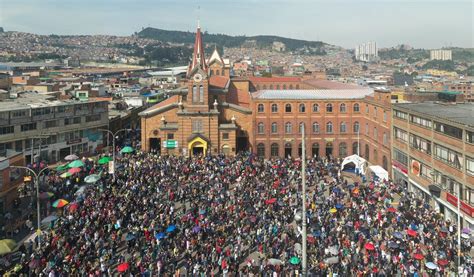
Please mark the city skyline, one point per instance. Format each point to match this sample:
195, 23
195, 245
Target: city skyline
350, 22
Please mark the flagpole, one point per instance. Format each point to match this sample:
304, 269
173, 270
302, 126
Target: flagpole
303, 174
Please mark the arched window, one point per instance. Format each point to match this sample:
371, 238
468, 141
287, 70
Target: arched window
297, 86
329, 108
356, 127
261, 150
375, 133
300, 150
201, 94
288, 128
271, 86
217, 72
355, 148
342, 149
274, 108
260, 108
291, 86
195, 95
316, 127
343, 128
284, 86
212, 72
376, 156
274, 150
300, 127
385, 139
367, 152
258, 87
315, 149
288, 108
384, 162
342, 108
264, 86
278, 86
274, 128
329, 127
288, 149
302, 108
315, 108
260, 128
356, 107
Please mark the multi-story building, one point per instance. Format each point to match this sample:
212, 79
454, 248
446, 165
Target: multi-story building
366, 52
466, 87
433, 154
62, 127
440, 54
10, 179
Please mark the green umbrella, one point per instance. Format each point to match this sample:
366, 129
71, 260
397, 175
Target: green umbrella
127, 149
104, 160
294, 260
62, 167
92, 178
7, 246
76, 163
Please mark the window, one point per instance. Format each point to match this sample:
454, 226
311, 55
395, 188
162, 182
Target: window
384, 116
329, 108
284, 86
261, 150
385, 138
400, 157
425, 171
212, 72
355, 148
288, 128
400, 115
7, 130
448, 156
225, 136
260, 128
17, 114
315, 149
195, 95
342, 108
385, 163
197, 126
376, 134
51, 124
95, 117
342, 149
278, 87
274, 150
28, 127
316, 127
329, 127
470, 166
170, 136
367, 152
201, 94
400, 134
420, 144
376, 156
315, 108
274, 108
469, 136
302, 108
420, 121
356, 107
288, 108
375, 111
271, 86
342, 128
264, 86
367, 129
274, 128
356, 127
218, 72
291, 86
448, 130
74, 120
300, 127
297, 86
260, 108
367, 108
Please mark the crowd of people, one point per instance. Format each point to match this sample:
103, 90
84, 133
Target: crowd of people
237, 216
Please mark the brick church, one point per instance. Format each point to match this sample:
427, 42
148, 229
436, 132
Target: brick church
219, 113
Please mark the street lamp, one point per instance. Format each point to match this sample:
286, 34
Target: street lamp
113, 144
37, 175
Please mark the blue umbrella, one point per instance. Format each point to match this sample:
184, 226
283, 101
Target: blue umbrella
414, 227
398, 235
317, 234
202, 211
339, 206
129, 237
170, 228
160, 236
431, 265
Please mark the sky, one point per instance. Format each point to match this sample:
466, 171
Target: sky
346, 23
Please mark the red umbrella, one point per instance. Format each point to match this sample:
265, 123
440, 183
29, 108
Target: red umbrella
270, 201
73, 207
412, 233
369, 246
418, 256
74, 170
443, 262
311, 239
122, 267
392, 210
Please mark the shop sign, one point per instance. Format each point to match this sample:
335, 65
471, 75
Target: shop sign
464, 207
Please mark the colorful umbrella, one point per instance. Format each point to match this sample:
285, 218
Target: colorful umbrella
443, 262
170, 228
412, 233
65, 175
333, 210
49, 219
122, 267
431, 265
391, 210
294, 260
62, 167
127, 149
75, 163
74, 170
129, 237
339, 206
160, 236
398, 235
196, 229
369, 246
73, 207
104, 160
92, 178
71, 157
418, 256
60, 203
45, 195
7, 246
466, 230
270, 201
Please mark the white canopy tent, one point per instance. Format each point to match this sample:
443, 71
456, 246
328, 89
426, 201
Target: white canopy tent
359, 163
379, 172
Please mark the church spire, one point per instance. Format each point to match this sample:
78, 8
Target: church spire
199, 60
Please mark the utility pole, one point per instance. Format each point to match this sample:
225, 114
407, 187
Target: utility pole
303, 188
459, 231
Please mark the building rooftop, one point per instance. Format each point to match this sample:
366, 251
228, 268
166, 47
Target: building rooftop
461, 113
312, 94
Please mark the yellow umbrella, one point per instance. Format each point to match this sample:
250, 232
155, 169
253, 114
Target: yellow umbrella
7, 246
333, 210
